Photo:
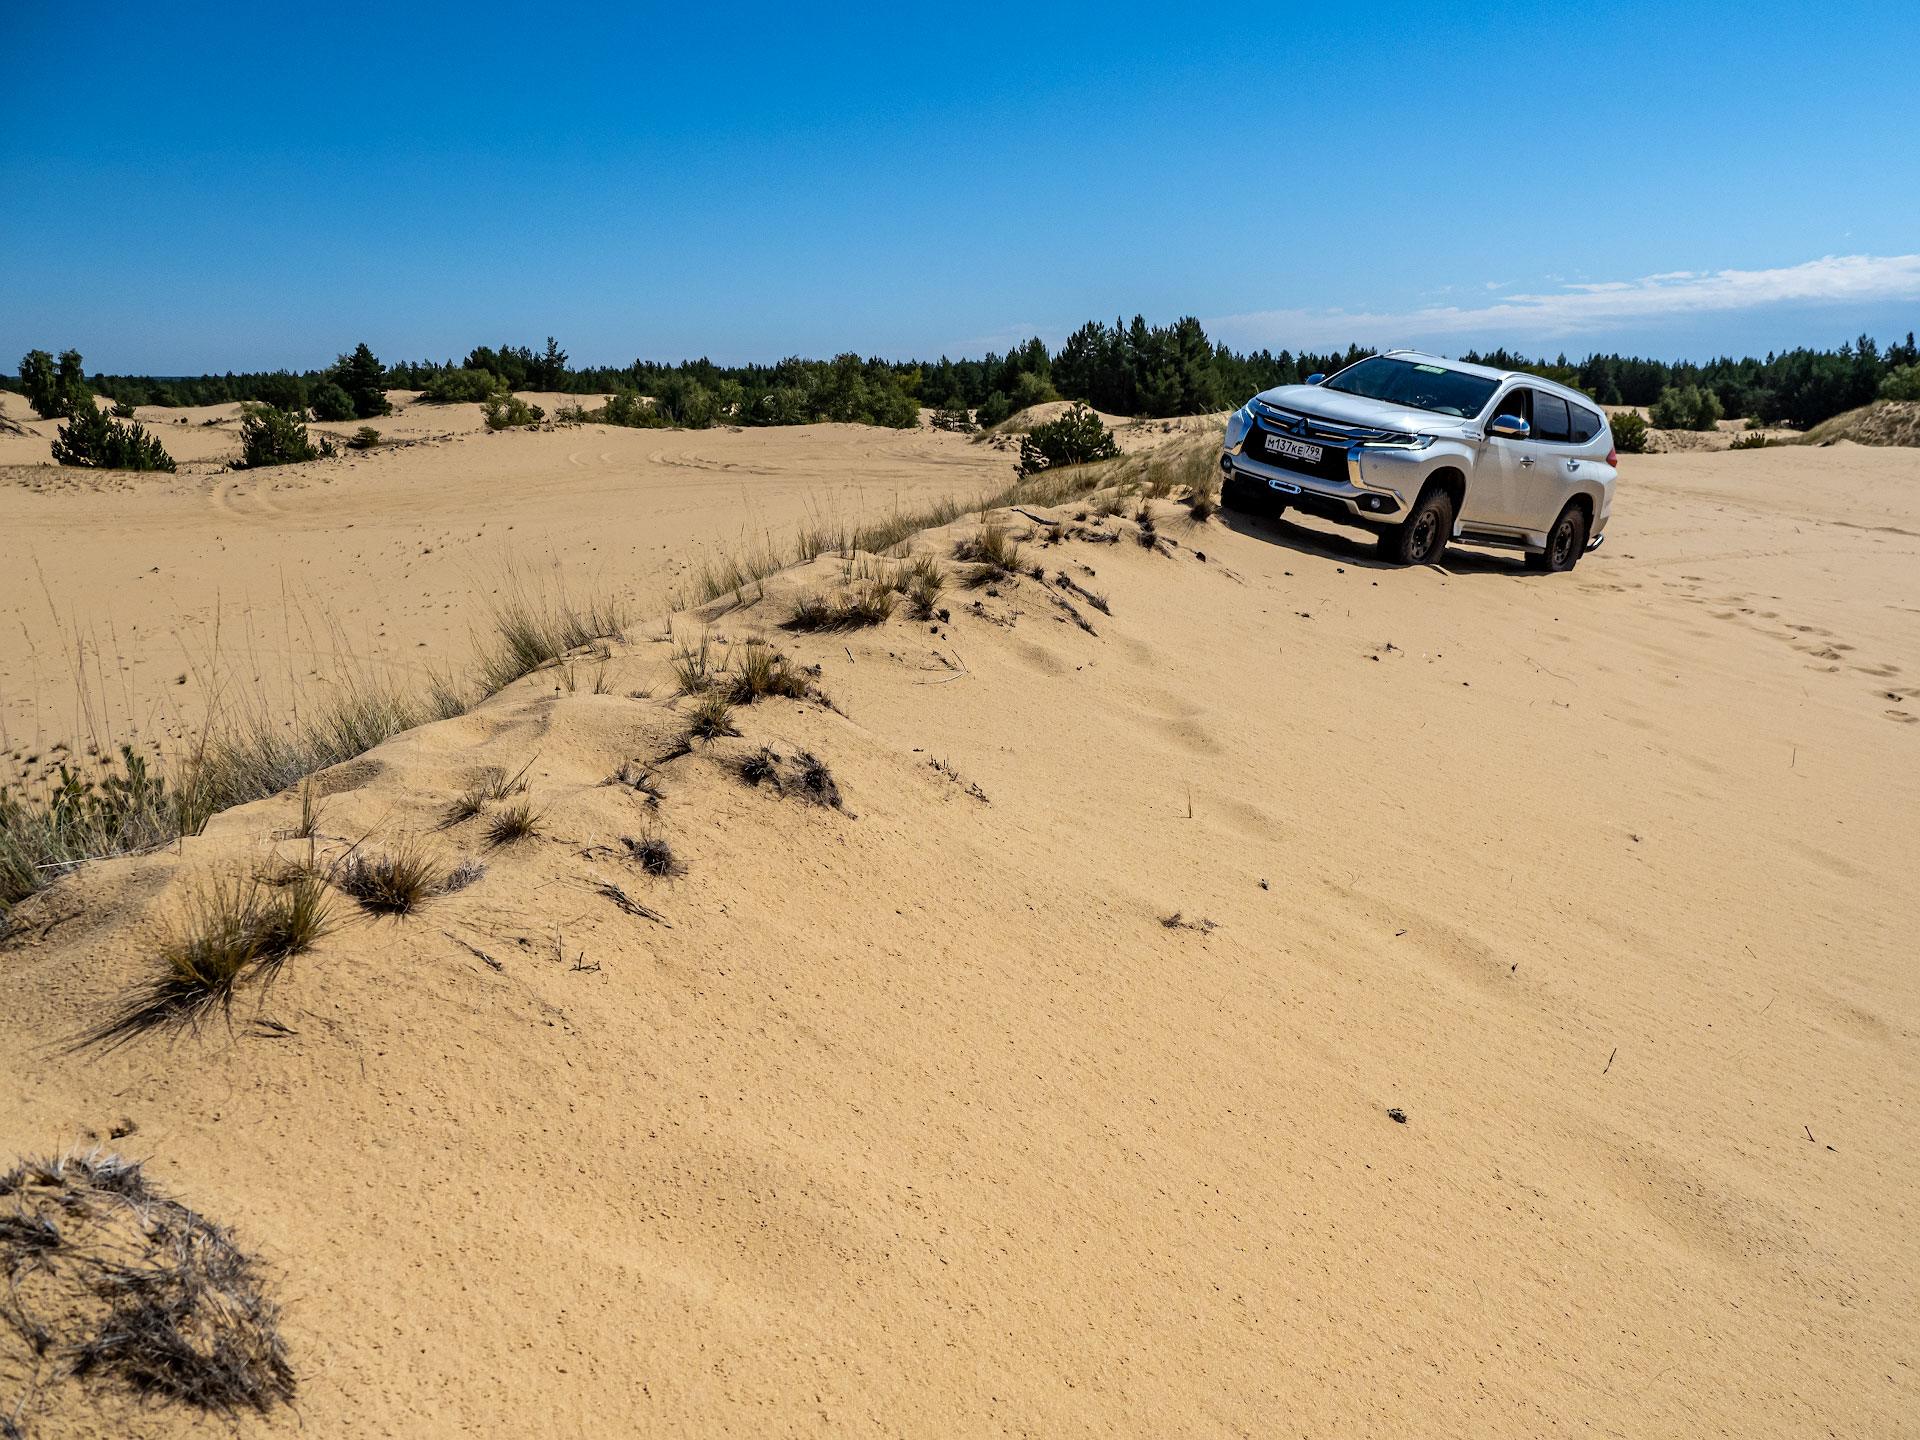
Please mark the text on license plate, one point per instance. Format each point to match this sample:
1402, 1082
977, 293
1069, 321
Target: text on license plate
1294, 449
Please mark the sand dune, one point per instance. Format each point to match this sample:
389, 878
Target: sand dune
917, 1117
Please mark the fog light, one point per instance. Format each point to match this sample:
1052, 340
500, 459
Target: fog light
1226, 464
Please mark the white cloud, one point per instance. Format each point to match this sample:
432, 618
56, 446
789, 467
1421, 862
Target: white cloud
1584, 308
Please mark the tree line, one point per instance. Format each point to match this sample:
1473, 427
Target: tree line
1126, 368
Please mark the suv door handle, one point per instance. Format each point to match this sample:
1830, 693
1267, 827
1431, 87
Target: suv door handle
1573, 464
1526, 460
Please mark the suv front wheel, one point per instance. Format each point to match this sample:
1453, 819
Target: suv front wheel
1565, 542
1421, 538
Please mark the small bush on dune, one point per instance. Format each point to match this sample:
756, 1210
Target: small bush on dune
93, 440
1076, 438
1694, 408
1629, 432
457, 387
329, 402
630, 409
365, 438
274, 437
510, 412
1901, 383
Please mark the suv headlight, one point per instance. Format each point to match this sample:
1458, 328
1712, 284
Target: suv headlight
1238, 424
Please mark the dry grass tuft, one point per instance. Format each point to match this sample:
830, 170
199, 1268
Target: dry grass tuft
692, 669
992, 552
759, 669
519, 821
653, 854
536, 623
762, 764
869, 603
228, 929
111, 1282
638, 778
816, 780
711, 718
393, 882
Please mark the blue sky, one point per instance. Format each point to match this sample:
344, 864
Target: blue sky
210, 187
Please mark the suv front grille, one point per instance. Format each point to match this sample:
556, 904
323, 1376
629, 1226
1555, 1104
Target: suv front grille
1313, 427
1271, 446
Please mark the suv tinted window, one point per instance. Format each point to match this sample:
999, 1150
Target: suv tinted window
1550, 418
1423, 386
1586, 424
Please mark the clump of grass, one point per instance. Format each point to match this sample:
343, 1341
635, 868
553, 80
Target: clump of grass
228, 929
816, 780
763, 764
393, 882
711, 717
993, 554
692, 669
311, 806
759, 669
519, 821
653, 854
494, 784
869, 603
639, 779
1201, 507
537, 623
122, 1286
923, 590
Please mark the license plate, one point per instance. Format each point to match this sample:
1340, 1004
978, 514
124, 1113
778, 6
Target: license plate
1293, 449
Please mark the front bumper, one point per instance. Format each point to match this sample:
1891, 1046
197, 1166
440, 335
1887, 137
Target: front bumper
1253, 486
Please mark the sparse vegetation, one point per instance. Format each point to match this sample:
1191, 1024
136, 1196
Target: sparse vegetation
1900, 383
517, 822
759, 765
711, 717
924, 581
653, 854
365, 438
510, 412
1629, 432
270, 436
455, 387
391, 882
93, 440
693, 668
1076, 438
109, 1281
537, 623
816, 780
993, 555
228, 928
868, 603
1690, 408
759, 669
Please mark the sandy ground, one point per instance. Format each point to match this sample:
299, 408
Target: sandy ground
916, 1118
143, 579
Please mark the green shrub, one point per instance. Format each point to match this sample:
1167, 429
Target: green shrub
123, 410
1694, 408
1074, 439
93, 440
682, 400
1031, 389
365, 438
455, 387
55, 392
508, 412
992, 410
953, 416
273, 437
1754, 441
627, 407
364, 379
283, 391
1901, 383
329, 402
1629, 432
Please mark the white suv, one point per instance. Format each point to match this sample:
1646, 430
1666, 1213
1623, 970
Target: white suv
1423, 450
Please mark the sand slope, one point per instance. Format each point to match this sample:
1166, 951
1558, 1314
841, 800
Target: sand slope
916, 1119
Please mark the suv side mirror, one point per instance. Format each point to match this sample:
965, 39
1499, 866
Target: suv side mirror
1509, 427
1315, 379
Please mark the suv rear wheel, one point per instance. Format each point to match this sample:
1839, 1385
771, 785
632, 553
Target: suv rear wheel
1421, 538
1565, 542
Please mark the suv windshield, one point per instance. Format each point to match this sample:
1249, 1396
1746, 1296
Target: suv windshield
1424, 387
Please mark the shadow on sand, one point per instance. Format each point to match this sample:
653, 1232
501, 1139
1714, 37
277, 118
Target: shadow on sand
1356, 547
